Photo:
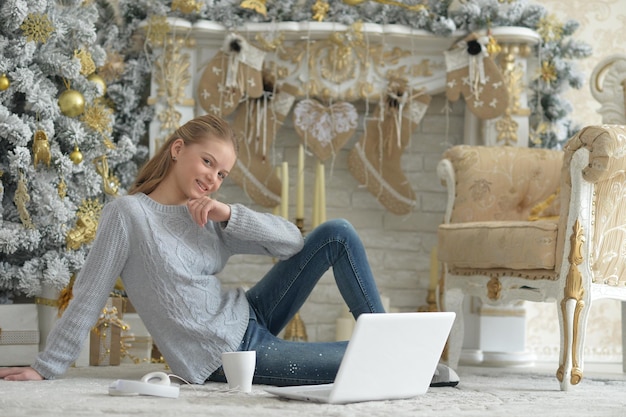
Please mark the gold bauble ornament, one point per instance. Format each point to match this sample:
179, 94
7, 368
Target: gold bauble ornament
96, 79
72, 103
5, 83
76, 156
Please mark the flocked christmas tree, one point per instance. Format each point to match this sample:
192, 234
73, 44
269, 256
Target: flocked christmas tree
71, 124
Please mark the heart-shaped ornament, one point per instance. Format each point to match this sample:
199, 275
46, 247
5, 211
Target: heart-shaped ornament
324, 129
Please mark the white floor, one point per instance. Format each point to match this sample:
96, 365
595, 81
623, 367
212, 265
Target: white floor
483, 391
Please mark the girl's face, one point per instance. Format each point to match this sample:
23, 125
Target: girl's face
199, 168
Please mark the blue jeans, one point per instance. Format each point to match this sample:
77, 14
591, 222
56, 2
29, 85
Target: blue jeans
278, 296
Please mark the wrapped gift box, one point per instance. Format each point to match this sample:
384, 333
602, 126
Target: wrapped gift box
105, 341
19, 334
136, 341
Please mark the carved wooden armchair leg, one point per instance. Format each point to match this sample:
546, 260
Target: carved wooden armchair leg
573, 312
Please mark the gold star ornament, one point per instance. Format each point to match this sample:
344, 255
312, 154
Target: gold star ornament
37, 27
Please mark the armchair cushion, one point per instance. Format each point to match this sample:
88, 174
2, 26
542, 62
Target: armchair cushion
520, 245
501, 182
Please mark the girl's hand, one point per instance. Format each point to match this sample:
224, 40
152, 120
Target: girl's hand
204, 209
20, 374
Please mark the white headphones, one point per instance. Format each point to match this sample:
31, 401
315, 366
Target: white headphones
154, 383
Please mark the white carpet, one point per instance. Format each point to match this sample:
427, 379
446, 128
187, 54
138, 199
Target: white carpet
482, 392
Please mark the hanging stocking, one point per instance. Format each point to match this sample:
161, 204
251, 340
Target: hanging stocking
375, 159
472, 72
256, 124
233, 74
324, 130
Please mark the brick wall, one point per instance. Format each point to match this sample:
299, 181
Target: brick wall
398, 247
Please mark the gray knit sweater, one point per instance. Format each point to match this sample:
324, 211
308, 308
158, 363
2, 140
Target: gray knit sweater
168, 265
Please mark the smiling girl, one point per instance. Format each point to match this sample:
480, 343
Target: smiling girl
168, 238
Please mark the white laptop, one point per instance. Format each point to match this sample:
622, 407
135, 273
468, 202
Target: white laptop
389, 356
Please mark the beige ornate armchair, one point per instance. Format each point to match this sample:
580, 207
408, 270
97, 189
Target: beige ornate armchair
538, 225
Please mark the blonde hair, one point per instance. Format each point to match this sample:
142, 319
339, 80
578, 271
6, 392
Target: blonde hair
207, 127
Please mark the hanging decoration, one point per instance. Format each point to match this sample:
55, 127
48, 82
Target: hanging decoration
71, 102
99, 81
98, 118
548, 72
87, 65
76, 156
21, 199
473, 73
256, 123
233, 74
324, 129
62, 188
41, 148
87, 217
375, 159
37, 28
110, 183
5, 83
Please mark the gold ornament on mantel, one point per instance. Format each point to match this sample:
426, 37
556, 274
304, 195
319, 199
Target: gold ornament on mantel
320, 10
158, 29
5, 83
41, 148
550, 28
88, 215
256, 5
186, 6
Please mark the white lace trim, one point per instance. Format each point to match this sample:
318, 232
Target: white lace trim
324, 123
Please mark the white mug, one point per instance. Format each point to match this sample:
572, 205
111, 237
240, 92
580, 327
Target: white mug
239, 369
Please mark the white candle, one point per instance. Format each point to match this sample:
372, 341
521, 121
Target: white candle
343, 329
284, 197
300, 185
315, 218
322, 193
278, 207
434, 270
344, 325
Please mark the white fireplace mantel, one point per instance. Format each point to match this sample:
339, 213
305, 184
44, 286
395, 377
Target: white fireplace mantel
335, 62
